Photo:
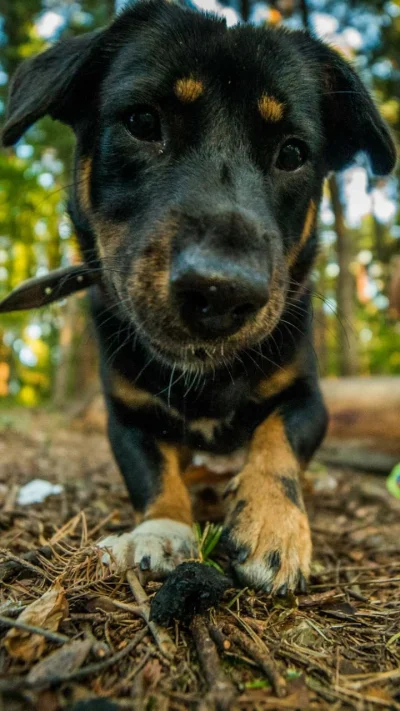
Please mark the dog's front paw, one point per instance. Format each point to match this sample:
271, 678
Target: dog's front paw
268, 535
155, 547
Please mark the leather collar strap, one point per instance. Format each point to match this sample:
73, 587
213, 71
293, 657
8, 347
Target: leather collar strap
40, 291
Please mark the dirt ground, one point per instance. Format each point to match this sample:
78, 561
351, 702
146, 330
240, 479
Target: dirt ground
337, 647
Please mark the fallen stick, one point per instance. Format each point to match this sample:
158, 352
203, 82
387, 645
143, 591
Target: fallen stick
161, 636
223, 643
368, 679
222, 693
317, 598
258, 655
51, 636
15, 563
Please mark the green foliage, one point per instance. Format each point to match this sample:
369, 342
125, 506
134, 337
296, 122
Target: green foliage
393, 481
207, 541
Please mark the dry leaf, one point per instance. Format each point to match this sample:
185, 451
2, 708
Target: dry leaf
62, 661
47, 613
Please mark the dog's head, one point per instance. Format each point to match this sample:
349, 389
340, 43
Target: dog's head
201, 152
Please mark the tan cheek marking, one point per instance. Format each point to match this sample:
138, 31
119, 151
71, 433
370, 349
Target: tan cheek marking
85, 171
188, 90
151, 271
309, 222
277, 382
135, 397
269, 315
305, 234
270, 108
174, 501
109, 237
150, 279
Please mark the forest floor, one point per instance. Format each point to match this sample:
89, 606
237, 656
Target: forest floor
337, 647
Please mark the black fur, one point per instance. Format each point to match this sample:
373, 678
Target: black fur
211, 192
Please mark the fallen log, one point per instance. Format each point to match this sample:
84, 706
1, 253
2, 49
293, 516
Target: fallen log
364, 427
364, 408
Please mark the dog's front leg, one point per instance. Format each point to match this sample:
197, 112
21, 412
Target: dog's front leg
164, 536
267, 528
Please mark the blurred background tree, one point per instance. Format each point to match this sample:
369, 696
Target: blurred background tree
49, 354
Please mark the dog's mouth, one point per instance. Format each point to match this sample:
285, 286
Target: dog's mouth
176, 349
189, 357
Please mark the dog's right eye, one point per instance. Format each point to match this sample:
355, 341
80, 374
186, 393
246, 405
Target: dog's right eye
144, 124
292, 155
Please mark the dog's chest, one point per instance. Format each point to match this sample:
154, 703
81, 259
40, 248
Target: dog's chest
221, 463
217, 444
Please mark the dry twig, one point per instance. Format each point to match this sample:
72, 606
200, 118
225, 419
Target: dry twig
51, 636
221, 690
161, 636
259, 654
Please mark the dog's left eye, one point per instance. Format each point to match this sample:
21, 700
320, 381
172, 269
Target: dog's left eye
144, 123
292, 155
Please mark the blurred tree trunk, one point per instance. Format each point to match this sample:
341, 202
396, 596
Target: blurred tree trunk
345, 289
304, 14
379, 239
320, 321
76, 373
66, 348
86, 359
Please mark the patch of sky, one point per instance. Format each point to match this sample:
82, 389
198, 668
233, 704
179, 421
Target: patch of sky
28, 357
24, 150
34, 331
49, 24
46, 180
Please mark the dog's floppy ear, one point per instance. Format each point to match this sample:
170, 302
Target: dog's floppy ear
57, 82
351, 119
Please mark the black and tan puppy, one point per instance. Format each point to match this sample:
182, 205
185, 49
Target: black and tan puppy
201, 154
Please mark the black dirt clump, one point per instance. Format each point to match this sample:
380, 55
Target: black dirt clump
191, 589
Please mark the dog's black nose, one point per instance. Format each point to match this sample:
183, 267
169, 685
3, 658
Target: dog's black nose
215, 303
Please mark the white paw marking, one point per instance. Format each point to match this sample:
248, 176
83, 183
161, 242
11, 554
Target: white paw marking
260, 575
156, 546
255, 574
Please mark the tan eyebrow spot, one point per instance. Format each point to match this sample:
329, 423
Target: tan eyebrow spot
188, 90
270, 108
308, 223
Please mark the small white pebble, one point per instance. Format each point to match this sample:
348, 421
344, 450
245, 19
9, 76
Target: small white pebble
37, 491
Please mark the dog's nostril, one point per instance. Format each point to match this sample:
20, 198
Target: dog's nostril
197, 301
217, 304
243, 310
